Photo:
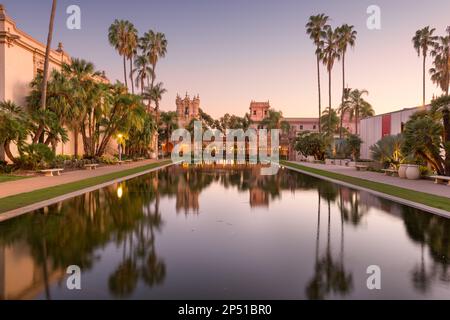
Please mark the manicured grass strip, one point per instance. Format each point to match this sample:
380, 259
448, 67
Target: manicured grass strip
6, 178
411, 195
28, 198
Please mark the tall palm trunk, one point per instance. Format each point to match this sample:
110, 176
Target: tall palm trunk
356, 119
125, 71
131, 74
153, 75
343, 95
446, 121
320, 99
423, 76
75, 141
329, 101
46, 66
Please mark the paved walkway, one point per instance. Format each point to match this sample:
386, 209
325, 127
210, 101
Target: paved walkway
427, 186
26, 185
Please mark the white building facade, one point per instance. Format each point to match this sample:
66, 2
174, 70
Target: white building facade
374, 128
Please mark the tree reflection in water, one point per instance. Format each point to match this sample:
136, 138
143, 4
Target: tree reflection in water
72, 231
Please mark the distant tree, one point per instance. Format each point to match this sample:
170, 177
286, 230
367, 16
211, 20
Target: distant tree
154, 44
347, 38
46, 69
359, 107
423, 40
440, 73
315, 28
354, 143
122, 36
329, 54
330, 127
311, 144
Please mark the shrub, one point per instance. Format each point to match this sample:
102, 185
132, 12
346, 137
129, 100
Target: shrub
108, 159
387, 151
354, 145
5, 167
312, 144
35, 156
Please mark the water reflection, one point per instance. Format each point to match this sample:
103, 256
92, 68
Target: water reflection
126, 221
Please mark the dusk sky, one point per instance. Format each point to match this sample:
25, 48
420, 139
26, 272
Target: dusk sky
231, 52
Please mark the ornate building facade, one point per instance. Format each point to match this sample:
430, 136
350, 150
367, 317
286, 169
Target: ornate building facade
187, 109
21, 59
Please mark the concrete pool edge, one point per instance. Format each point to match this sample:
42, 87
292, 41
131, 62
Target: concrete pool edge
416, 205
11, 214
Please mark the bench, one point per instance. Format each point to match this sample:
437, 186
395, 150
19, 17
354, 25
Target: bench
441, 179
91, 166
390, 172
51, 172
361, 168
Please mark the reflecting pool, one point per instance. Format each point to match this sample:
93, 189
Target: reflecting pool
189, 233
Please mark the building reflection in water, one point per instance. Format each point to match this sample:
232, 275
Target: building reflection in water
36, 248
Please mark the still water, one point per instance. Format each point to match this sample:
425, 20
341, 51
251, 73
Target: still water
230, 234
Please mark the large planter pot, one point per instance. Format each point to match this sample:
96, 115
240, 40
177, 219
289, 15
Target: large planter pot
412, 172
152, 155
402, 171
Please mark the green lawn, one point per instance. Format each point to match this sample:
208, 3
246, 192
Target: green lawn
6, 177
411, 195
25, 199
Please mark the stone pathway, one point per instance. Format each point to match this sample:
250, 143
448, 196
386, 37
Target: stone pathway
427, 186
26, 185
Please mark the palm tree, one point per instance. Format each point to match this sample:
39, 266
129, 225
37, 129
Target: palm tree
330, 127
121, 35
46, 66
131, 48
359, 107
13, 127
315, 29
329, 53
440, 73
343, 109
155, 46
423, 41
81, 73
347, 37
143, 70
274, 120
170, 123
155, 94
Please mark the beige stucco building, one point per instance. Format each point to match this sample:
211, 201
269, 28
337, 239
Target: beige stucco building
21, 59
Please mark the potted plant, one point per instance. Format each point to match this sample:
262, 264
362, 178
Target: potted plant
412, 169
402, 170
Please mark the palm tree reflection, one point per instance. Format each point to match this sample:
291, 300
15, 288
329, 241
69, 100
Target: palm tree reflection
330, 276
